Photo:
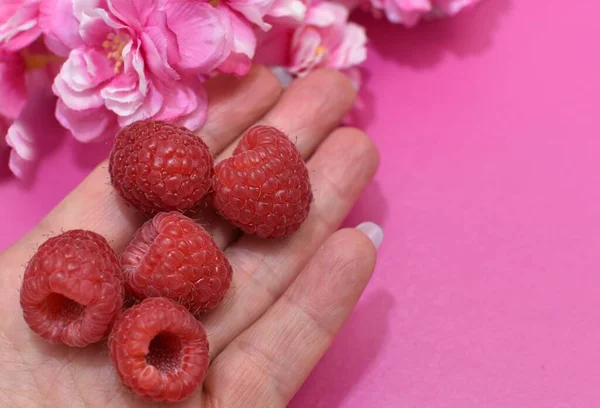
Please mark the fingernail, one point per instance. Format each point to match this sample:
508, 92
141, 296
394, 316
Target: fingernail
283, 75
373, 231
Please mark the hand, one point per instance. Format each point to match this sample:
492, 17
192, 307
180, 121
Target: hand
288, 298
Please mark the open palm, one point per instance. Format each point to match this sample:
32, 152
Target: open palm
288, 297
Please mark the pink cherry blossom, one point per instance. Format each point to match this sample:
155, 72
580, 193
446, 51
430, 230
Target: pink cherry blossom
410, 12
239, 61
18, 24
133, 59
12, 87
287, 12
325, 38
252, 11
245, 17
27, 122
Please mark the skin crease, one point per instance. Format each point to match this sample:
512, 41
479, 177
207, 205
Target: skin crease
288, 299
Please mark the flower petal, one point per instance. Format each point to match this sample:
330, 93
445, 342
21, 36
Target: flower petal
327, 14
122, 95
239, 61
274, 46
21, 141
4, 125
19, 166
60, 26
452, 7
12, 85
203, 32
306, 54
89, 124
160, 46
19, 26
186, 104
196, 117
79, 78
183, 101
352, 50
137, 62
288, 11
133, 13
150, 106
35, 130
407, 12
96, 26
253, 10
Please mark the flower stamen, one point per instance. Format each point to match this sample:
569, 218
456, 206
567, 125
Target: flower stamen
115, 44
320, 50
41, 59
38, 61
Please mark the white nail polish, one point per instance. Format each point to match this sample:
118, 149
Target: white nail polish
283, 75
373, 231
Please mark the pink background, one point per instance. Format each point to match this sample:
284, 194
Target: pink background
487, 290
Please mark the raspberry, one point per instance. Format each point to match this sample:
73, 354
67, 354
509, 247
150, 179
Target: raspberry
173, 257
160, 350
158, 167
264, 188
72, 289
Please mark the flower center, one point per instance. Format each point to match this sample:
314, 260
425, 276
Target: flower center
320, 50
39, 60
114, 45
36, 56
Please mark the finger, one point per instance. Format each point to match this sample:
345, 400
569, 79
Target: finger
267, 363
95, 206
342, 166
309, 110
306, 112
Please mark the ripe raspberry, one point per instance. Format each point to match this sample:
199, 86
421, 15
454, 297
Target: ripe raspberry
174, 257
159, 350
72, 289
264, 188
157, 167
